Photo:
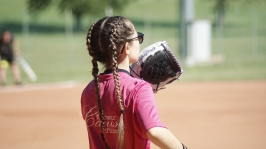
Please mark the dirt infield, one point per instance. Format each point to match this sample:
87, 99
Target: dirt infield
203, 115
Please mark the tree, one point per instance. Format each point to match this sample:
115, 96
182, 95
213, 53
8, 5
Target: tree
220, 7
79, 7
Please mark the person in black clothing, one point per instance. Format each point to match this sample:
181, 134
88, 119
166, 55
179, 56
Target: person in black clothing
8, 52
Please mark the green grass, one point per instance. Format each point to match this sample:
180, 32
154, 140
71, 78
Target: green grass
54, 57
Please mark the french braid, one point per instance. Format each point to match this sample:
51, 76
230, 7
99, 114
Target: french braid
95, 72
105, 39
120, 140
89, 37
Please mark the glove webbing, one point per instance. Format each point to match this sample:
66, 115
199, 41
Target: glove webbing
158, 67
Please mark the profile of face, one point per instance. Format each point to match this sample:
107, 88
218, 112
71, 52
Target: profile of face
6, 37
134, 48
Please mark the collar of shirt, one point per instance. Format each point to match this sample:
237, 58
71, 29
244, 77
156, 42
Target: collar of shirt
108, 71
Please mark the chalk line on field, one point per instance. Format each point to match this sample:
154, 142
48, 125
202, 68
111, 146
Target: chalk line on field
35, 87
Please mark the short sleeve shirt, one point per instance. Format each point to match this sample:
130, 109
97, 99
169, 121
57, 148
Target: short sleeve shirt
140, 111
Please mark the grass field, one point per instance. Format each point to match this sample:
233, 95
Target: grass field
57, 57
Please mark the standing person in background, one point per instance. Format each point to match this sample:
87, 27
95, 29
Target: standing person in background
119, 110
8, 52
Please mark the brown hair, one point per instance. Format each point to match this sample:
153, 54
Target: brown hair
105, 40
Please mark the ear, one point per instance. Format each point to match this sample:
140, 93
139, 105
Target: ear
125, 49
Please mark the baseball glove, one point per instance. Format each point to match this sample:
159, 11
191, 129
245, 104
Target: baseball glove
156, 65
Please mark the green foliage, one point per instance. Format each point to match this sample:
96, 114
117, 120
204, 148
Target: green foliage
223, 5
38, 5
79, 8
118, 5
220, 7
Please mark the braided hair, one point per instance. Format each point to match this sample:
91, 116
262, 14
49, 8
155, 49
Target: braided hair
105, 40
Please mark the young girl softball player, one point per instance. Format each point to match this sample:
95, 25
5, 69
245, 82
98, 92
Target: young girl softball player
8, 53
120, 110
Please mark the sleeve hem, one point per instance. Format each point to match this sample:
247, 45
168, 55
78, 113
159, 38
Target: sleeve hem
155, 125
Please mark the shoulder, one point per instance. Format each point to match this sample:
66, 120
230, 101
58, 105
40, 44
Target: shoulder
138, 89
88, 88
133, 84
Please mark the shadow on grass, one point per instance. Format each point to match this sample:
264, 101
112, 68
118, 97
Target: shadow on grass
155, 24
16, 27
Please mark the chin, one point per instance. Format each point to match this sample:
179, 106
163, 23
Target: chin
133, 61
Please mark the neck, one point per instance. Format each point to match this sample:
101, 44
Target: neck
123, 63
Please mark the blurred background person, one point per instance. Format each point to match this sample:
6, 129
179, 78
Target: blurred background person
9, 50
